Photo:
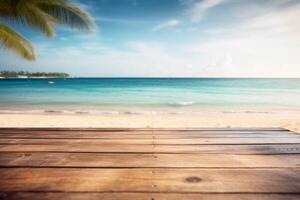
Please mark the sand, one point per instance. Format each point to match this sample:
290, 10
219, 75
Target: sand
289, 120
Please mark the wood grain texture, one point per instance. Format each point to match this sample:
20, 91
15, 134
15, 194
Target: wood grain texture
286, 140
138, 160
150, 180
152, 164
122, 148
147, 129
144, 196
163, 135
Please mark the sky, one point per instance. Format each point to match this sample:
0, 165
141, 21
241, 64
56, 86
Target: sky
173, 38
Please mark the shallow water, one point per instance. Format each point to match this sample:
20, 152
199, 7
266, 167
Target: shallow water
146, 95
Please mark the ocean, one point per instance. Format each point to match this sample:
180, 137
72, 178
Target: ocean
147, 95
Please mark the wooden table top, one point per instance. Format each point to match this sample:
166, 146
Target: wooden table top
149, 164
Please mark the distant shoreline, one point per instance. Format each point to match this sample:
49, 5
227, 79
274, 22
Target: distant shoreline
37, 78
31, 75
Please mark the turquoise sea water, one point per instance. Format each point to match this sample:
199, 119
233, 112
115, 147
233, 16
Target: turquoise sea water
147, 94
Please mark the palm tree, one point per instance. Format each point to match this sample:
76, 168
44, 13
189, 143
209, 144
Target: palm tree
42, 15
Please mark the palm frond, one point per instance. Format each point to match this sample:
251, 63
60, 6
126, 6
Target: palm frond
43, 15
68, 14
5, 8
12, 40
33, 16
26, 13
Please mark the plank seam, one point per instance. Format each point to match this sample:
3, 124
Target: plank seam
150, 144
149, 192
147, 168
150, 152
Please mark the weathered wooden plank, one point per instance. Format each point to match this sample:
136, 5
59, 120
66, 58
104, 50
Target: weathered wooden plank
162, 133
144, 196
198, 132
82, 132
75, 135
89, 129
117, 148
179, 135
151, 180
147, 129
286, 140
215, 169
124, 160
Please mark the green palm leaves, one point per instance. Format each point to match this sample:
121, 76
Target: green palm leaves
13, 40
42, 15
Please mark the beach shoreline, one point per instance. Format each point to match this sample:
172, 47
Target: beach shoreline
285, 119
156, 102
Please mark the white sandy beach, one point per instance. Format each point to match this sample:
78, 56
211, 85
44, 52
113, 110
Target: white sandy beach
289, 120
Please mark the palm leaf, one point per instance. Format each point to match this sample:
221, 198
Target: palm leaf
34, 17
67, 14
44, 14
12, 40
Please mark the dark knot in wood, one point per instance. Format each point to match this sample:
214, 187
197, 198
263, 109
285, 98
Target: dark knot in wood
193, 179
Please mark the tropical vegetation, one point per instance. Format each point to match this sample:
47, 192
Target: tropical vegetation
41, 15
14, 74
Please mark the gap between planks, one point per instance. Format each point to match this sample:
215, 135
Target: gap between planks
145, 196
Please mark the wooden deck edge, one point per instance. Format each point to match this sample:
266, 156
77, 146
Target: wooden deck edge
145, 196
145, 129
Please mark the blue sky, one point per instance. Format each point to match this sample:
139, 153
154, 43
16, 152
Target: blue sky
185, 38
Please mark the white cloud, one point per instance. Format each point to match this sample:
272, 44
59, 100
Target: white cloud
276, 23
131, 22
167, 24
267, 45
198, 9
